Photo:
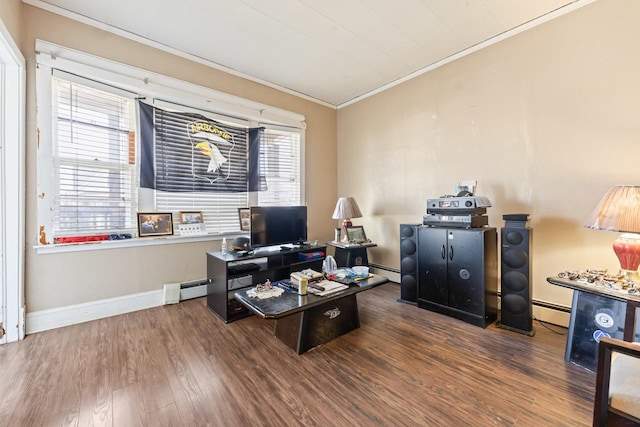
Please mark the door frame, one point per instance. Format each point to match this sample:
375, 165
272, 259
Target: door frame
12, 187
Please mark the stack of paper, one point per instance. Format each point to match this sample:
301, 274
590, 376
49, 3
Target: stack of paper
326, 287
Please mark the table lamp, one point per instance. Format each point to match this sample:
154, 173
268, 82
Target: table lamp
346, 208
619, 210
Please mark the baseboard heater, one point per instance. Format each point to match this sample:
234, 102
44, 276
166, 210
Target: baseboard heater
193, 289
384, 267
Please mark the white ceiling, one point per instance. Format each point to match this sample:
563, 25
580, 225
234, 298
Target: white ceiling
332, 51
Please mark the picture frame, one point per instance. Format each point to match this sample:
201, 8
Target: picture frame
356, 234
191, 217
155, 224
244, 215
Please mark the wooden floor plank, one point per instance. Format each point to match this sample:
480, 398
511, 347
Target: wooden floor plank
166, 416
128, 409
181, 365
96, 407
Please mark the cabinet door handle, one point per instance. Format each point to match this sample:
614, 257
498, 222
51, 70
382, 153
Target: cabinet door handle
451, 253
442, 252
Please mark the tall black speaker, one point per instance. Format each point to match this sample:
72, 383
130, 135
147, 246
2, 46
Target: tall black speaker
515, 285
409, 263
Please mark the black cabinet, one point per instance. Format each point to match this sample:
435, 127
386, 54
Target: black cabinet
228, 272
457, 273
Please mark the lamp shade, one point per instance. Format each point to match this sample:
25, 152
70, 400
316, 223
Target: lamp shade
619, 210
346, 208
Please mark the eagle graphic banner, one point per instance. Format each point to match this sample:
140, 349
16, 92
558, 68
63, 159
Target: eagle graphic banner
186, 152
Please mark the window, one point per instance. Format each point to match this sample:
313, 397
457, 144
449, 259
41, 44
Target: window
194, 172
280, 154
93, 157
185, 180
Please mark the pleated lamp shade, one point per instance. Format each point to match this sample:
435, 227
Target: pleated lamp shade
346, 208
619, 210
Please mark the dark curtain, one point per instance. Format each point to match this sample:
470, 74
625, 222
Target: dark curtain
257, 179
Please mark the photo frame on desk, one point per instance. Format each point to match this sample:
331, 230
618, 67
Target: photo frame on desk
356, 234
155, 224
244, 214
191, 217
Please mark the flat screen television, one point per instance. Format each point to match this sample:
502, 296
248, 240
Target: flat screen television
278, 225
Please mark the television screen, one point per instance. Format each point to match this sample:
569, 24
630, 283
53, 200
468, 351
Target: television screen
278, 225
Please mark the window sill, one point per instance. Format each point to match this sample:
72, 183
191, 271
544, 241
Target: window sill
128, 243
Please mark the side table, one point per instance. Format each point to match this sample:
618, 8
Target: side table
597, 311
350, 254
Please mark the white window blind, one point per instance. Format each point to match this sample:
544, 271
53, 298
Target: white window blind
281, 164
93, 158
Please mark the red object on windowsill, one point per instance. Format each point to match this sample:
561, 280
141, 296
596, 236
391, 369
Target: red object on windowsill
82, 239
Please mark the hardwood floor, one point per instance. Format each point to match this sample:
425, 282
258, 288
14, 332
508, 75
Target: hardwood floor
180, 365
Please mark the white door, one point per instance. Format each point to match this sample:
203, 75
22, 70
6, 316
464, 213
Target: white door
12, 172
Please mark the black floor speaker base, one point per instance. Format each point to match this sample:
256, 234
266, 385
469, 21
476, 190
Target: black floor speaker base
530, 333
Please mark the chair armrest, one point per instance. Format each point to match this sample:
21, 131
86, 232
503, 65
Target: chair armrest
619, 346
606, 348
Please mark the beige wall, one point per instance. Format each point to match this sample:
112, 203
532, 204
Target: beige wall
62, 279
546, 121
10, 15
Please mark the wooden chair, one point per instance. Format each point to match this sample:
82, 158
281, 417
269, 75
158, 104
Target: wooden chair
617, 394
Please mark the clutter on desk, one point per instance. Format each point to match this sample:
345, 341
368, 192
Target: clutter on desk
349, 275
361, 270
329, 265
309, 274
264, 291
602, 278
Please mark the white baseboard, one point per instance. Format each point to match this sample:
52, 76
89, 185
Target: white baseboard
44, 320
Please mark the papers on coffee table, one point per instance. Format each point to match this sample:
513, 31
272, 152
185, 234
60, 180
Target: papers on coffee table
326, 287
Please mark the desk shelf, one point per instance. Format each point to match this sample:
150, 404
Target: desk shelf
351, 255
226, 275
